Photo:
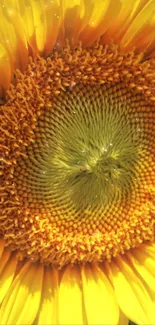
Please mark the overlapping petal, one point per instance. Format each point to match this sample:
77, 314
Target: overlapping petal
132, 282
37, 294
7, 271
70, 297
48, 311
24, 293
36, 27
101, 306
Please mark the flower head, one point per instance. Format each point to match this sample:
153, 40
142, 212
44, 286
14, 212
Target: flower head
78, 168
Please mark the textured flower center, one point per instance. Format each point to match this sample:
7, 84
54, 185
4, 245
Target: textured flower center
79, 164
86, 154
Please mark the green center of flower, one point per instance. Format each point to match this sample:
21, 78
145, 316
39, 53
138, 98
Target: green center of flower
85, 152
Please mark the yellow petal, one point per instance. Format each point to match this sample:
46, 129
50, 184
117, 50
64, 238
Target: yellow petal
52, 18
75, 17
41, 21
2, 244
5, 71
32, 15
103, 15
24, 293
48, 311
70, 298
118, 21
12, 37
123, 320
99, 300
13, 44
4, 258
137, 27
145, 267
149, 249
133, 298
7, 272
139, 261
31, 27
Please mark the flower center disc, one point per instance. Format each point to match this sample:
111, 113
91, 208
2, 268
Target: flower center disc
85, 157
83, 183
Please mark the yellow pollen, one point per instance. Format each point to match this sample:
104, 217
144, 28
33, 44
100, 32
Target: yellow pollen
77, 156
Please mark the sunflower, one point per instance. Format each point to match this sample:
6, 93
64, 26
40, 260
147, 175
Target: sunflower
77, 86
